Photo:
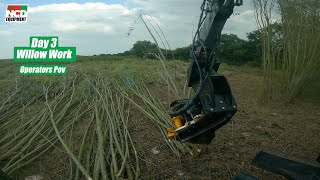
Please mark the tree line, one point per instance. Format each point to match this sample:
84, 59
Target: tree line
233, 50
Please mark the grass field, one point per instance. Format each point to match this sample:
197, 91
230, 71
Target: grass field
105, 127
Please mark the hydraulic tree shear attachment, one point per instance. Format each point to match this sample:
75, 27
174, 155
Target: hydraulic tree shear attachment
213, 104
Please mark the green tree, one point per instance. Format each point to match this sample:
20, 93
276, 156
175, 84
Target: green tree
254, 42
254, 45
182, 53
143, 48
233, 49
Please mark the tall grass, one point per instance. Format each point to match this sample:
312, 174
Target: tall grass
152, 107
292, 65
165, 74
264, 18
301, 34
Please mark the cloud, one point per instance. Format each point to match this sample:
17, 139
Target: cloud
100, 28
60, 25
241, 23
4, 33
89, 8
90, 17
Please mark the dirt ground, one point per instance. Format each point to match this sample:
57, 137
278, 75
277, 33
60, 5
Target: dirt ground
292, 130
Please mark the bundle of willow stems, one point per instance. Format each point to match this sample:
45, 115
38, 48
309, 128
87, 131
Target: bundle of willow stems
155, 111
34, 125
49, 120
111, 149
29, 133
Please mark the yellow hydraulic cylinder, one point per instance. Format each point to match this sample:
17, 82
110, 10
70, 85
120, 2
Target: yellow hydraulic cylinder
171, 133
177, 121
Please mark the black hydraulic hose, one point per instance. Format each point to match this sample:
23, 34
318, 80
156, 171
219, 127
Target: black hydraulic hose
194, 59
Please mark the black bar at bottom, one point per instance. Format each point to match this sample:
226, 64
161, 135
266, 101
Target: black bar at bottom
286, 167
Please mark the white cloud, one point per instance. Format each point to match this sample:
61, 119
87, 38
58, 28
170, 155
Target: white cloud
60, 25
4, 33
96, 28
86, 7
91, 17
241, 23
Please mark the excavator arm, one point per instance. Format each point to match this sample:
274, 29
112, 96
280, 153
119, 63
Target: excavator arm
213, 105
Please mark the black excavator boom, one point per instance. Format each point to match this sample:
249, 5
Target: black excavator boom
213, 104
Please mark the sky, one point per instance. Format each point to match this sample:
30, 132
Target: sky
102, 27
